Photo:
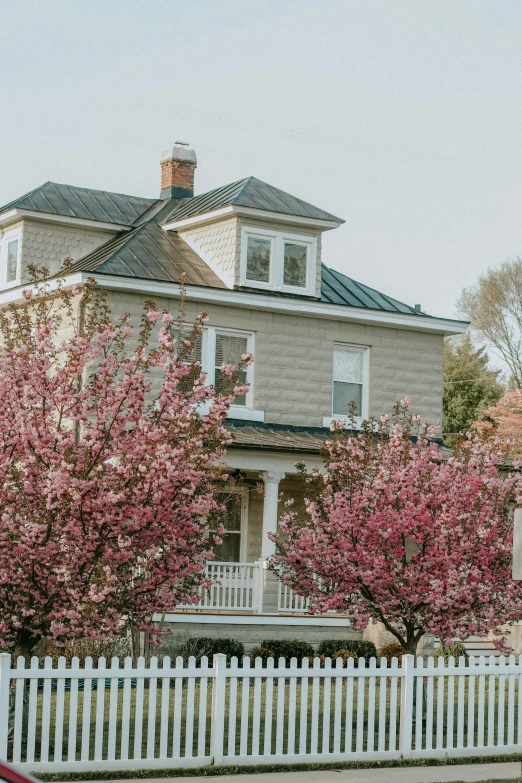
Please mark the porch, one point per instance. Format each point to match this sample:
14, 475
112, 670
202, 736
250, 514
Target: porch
246, 601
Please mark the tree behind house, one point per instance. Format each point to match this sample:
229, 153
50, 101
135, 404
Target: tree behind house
107, 508
470, 386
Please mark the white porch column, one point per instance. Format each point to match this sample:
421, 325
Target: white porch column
271, 481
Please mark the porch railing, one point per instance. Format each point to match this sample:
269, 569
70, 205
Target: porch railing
288, 601
235, 587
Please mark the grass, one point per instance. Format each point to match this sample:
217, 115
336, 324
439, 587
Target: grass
213, 771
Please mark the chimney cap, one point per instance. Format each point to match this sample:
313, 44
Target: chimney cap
180, 151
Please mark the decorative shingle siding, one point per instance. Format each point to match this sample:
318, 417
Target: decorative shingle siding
293, 358
49, 244
217, 245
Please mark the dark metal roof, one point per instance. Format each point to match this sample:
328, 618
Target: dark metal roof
84, 203
337, 288
253, 193
149, 253
277, 437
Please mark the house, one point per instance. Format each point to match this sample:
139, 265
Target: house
252, 256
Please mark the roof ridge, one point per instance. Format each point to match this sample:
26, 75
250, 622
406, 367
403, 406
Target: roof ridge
94, 190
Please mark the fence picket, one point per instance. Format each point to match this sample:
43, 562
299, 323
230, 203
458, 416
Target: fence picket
460, 703
232, 708
292, 710
245, 707
164, 720
202, 716
501, 685
429, 706
370, 741
471, 704
100, 710
511, 704
125, 711
383, 693
349, 709
419, 705
59, 714
256, 707
280, 721
440, 705
269, 696
491, 703
19, 709
303, 715
113, 709
46, 713
392, 742
177, 716
481, 704
326, 708
314, 723
450, 704
151, 707
31, 713
189, 717
86, 717
138, 709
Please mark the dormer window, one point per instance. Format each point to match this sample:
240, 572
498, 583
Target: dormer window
278, 261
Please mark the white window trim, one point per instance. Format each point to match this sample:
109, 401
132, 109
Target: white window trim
277, 257
208, 363
243, 530
365, 350
5, 239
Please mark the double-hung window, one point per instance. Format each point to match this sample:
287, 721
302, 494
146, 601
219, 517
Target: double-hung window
350, 380
217, 346
278, 261
231, 550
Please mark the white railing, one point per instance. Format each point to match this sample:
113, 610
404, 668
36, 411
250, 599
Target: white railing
235, 587
85, 718
288, 601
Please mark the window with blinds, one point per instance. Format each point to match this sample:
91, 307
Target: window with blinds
195, 355
229, 349
348, 380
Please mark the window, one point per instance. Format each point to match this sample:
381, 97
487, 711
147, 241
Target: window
12, 260
278, 262
229, 349
216, 347
10, 245
258, 259
230, 551
350, 384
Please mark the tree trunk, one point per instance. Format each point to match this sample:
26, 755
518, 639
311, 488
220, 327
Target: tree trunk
24, 645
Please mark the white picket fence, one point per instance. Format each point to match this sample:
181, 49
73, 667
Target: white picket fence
86, 718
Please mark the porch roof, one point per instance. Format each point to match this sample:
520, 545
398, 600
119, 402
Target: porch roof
277, 437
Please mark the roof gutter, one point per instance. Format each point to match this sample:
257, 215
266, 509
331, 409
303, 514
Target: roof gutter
253, 301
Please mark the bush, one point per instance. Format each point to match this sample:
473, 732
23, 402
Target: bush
455, 650
362, 649
110, 647
288, 648
199, 646
345, 656
261, 652
392, 650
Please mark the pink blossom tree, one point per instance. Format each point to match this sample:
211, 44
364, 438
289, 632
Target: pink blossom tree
107, 508
395, 532
505, 421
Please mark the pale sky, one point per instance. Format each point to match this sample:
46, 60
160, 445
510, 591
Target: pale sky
403, 117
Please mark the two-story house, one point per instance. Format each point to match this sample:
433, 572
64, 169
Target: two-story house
252, 256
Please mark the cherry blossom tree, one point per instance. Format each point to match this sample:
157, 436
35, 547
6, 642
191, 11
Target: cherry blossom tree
110, 444
398, 533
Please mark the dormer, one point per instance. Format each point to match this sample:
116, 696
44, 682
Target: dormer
255, 236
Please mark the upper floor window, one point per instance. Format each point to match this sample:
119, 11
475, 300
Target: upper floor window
10, 247
215, 347
350, 380
278, 261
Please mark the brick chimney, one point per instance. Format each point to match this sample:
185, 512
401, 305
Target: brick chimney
177, 171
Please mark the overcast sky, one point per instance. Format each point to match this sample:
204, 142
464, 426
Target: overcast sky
403, 117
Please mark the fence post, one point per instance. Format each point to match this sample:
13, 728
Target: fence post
217, 726
407, 692
5, 687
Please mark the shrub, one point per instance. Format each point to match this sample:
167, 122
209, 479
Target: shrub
109, 647
362, 649
317, 656
288, 648
455, 650
391, 650
345, 656
261, 652
199, 646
